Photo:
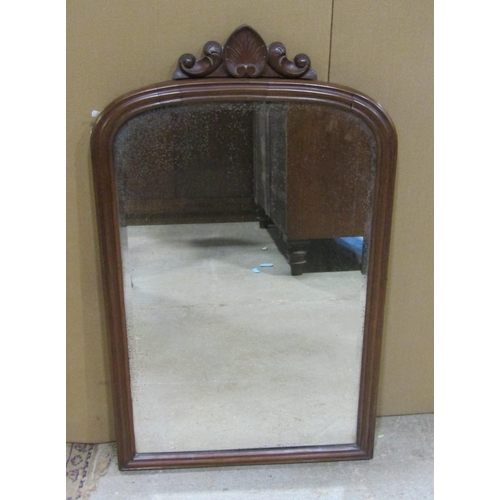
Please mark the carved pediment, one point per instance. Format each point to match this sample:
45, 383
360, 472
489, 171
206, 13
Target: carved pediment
245, 55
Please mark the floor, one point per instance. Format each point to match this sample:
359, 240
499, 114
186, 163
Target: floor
402, 468
223, 357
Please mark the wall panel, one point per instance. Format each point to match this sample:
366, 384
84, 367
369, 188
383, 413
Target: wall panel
385, 49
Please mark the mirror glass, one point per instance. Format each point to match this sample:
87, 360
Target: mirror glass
244, 229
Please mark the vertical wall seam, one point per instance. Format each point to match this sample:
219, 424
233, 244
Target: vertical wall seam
331, 43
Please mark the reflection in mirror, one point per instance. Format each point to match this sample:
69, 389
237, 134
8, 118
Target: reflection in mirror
244, 235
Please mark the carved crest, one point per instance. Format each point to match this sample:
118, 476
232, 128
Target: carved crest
245, 55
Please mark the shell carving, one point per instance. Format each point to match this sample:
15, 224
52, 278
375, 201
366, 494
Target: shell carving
245, 55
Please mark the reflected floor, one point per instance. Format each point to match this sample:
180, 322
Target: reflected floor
224, 358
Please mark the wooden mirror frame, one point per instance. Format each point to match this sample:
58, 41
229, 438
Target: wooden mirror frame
247, 79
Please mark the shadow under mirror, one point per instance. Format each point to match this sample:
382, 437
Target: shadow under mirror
244, 229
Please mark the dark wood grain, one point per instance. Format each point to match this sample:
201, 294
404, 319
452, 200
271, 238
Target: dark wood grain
329, 166
123, 109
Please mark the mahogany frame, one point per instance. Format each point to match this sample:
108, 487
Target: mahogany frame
227, 89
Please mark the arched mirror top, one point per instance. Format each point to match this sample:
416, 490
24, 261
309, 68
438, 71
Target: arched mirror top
245, 68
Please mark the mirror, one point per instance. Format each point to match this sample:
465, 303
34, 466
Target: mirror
244, 231
222, 357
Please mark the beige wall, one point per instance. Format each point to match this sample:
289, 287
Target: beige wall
385, 49
118, 45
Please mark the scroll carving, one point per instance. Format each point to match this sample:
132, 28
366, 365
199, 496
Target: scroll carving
278, 61
188, 65
245, 55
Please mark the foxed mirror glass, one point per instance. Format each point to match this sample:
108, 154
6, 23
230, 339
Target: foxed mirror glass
244, 228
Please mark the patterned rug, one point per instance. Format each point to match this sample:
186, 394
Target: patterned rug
85, 464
